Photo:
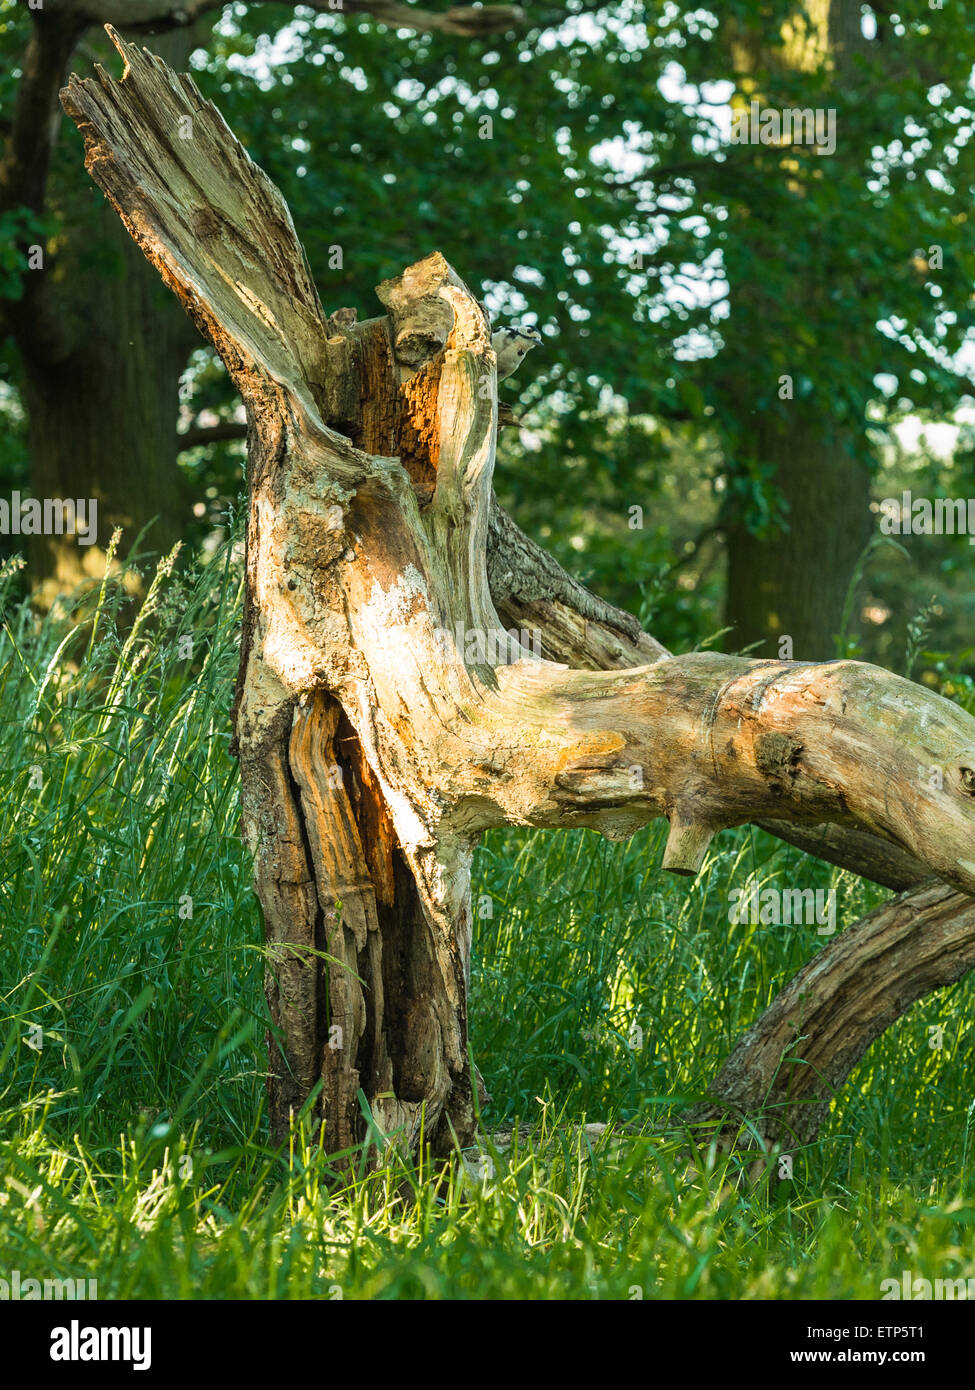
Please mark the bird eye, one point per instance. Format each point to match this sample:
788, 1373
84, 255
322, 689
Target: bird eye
521, 352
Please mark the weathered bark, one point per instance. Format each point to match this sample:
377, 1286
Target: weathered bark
531, 591
776, 1086
384, 717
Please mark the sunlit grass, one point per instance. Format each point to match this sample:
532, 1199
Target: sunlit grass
132, 1141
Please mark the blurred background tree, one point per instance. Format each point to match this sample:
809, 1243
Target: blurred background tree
574, 164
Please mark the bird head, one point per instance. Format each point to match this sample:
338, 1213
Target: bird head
511, 345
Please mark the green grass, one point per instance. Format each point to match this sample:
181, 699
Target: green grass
132, 1140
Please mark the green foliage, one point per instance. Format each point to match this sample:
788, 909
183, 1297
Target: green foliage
19, 227
673, 274
121, 810
132, 1147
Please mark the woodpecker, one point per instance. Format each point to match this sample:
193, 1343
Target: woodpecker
511, 345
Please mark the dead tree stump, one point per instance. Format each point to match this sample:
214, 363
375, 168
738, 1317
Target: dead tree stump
386, 716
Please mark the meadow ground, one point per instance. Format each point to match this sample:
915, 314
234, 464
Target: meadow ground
132, 1020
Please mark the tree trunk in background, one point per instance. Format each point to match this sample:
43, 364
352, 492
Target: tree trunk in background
790, 583
102, 420
794, 583
103, 345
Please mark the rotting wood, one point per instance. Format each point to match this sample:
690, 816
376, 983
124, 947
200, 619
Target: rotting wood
374, 747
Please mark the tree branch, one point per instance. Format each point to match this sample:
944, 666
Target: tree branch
784, 1072
156, 16
532, 592
199, 435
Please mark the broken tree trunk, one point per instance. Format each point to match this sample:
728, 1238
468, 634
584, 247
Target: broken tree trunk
385, 717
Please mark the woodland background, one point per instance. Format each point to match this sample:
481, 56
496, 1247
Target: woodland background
675, 278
